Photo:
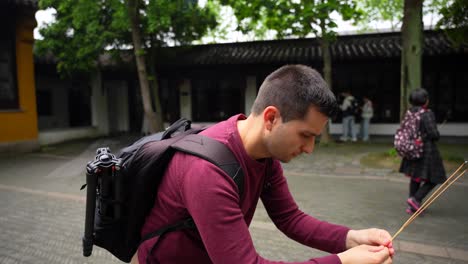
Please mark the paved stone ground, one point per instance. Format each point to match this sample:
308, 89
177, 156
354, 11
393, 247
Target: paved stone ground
42, 208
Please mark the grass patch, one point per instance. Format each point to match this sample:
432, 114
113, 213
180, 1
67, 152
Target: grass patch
382, 160
389, 159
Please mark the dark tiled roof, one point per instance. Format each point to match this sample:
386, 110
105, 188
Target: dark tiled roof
349, 47
105, 60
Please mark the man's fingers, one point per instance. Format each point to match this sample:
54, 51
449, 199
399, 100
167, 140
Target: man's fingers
376, 248
382, 253
384, 237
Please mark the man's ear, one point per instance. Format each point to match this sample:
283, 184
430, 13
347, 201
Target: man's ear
271, 117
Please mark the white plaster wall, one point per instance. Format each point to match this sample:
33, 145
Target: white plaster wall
460, 129
250, 93
99, 102
117, 106
185, 93
61, 135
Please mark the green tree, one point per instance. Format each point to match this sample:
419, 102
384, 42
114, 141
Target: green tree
455, 21
299, 18
80, 32
381, 10
409, 13
85, 29
392, 11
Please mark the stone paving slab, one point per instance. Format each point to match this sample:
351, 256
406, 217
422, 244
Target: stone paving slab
424, 249
457, 254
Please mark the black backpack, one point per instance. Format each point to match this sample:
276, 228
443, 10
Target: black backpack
122, 190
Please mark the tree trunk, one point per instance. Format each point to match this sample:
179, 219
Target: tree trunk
327, 75
154, 84
150, 115
411, 53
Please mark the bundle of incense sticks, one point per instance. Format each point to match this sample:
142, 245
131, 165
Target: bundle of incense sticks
457, 174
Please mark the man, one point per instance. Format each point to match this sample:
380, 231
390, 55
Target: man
348, 108
291, 109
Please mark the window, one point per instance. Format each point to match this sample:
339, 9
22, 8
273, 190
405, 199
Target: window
216, 99
79, 104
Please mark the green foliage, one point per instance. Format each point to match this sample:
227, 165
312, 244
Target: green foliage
381, 10
226, 19
455, 21
179, 21
454, 15
292, 18
392, 152
85, 29
80, 33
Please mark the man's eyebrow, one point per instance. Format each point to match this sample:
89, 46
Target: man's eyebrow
311, 133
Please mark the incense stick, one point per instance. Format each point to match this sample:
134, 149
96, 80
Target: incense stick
422, 208
443, 187
433, 197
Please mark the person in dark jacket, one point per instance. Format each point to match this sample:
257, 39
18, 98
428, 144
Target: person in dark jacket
428, 171
348, 107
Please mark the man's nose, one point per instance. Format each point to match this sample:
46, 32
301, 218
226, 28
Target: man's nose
309, 146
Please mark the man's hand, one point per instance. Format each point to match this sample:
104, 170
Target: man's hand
372, 237
365, 254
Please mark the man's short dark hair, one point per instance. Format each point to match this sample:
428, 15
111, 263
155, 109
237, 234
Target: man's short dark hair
418, 97
293, 89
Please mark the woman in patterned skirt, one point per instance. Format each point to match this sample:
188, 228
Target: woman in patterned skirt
428, 171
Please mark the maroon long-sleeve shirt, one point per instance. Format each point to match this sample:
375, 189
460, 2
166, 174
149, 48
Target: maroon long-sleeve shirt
195, 187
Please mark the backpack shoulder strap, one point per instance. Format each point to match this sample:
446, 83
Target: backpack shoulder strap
214, 152
422, 110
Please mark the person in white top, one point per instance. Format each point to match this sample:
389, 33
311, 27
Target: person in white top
367, 112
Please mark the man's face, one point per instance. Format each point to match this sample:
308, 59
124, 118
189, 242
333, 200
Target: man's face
288, 140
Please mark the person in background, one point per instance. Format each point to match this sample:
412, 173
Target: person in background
367, 112
428, 171
348, 109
